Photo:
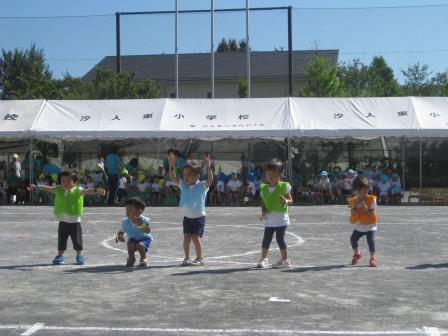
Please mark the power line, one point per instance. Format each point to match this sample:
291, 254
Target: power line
53, 17
218, 10
393, 52
372, 7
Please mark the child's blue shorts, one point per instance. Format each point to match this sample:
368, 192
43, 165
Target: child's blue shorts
145, 242
194, 226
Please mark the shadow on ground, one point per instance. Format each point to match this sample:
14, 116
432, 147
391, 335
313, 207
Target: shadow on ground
427, 266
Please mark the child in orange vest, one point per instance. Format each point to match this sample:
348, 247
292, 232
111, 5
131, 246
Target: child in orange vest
364, 218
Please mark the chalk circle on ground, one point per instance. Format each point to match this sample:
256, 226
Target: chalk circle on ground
298, 241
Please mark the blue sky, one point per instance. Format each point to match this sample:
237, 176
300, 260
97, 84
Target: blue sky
404, 36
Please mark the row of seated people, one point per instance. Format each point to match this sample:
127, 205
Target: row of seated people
335, 188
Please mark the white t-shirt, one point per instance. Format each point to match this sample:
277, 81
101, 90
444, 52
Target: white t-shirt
384, 188
277, 219
367, 227
234, 186
252, 188
220, 186
122, 183
156, 187
143, 187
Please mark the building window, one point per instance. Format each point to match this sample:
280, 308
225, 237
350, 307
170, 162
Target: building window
173, 95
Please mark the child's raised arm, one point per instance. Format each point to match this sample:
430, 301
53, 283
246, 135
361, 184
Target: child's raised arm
208, 159
33, 187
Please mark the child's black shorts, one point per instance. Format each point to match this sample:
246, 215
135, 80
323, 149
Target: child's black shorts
72, 230
194, 226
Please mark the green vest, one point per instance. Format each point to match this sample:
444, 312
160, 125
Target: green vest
272, 200
71, 204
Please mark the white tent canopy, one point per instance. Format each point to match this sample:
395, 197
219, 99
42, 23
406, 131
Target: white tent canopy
218, 118
355, 117
18, 116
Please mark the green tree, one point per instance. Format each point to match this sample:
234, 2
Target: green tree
109, 84
25, 75
322, 79
417, 81
242, 88
231, 45
382, 82
355, 78
440, 84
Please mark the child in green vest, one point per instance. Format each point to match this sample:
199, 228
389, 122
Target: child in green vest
276, 196
68, 208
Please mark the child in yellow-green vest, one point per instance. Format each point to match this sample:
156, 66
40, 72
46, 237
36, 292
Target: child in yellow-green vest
276, 196
68, 209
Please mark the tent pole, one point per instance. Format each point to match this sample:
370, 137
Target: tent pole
403, 164
420, 172
248, 52
176, 49
289, 170
158, 153
31, 163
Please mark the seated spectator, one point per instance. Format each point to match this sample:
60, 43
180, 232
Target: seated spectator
123, 182
384, 190
351, 176
323, 189
395, 189
156, 191
97, 176
144, 190
212, 196
233, 189
343, 188
220, 190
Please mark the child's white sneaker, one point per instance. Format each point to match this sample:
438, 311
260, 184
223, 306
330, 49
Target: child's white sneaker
198, 262
282, 264
263, 263
186, 262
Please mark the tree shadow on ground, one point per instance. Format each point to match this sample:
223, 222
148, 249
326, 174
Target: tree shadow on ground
427, 266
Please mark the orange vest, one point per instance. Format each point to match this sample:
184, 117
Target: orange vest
360, 216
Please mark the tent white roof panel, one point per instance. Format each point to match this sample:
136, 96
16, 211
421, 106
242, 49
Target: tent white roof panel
432, 113
226, 118
355, 117
18, 116
100, 118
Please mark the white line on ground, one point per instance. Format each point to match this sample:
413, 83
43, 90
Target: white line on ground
299, 241
41, 326
33, 329
276, 299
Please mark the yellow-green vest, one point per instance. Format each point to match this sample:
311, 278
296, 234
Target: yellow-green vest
71, 204
272, 200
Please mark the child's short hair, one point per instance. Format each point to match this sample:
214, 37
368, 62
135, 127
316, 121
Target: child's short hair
72, 176
196, 171
136, 202
275, 166
361, 182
